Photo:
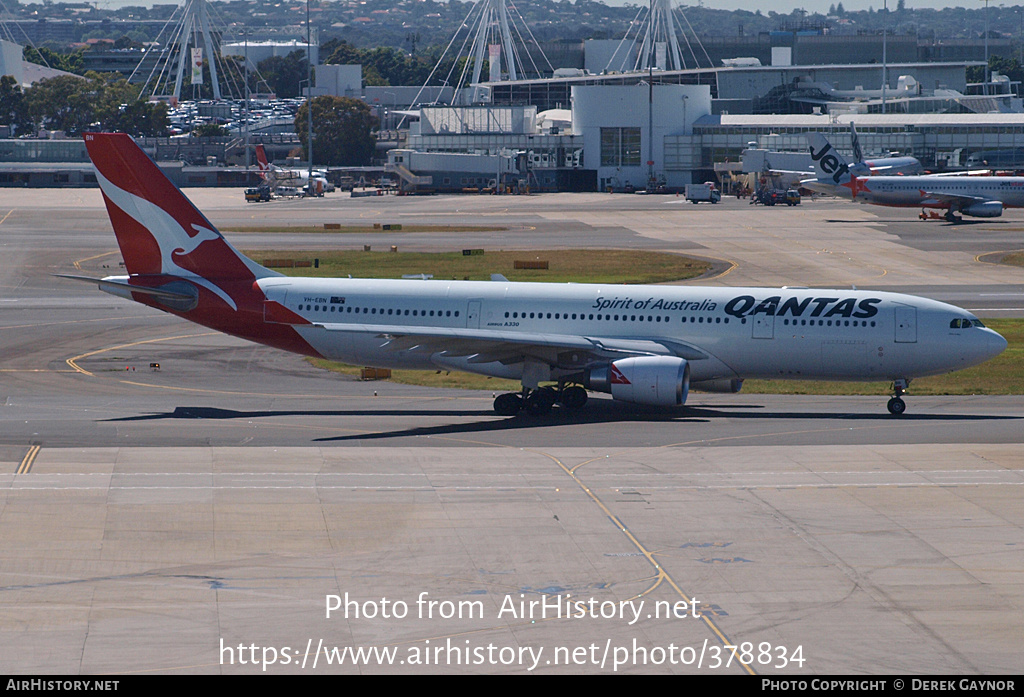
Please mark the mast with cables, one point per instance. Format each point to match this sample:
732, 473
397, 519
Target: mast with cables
659, 47
497, 31
190, 38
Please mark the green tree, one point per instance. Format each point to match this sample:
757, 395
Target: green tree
342, 131
148, 119
62, 103
283, 75
13, 108
76, 104
68, 62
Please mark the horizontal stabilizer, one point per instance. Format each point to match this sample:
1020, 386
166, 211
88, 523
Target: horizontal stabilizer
109, 284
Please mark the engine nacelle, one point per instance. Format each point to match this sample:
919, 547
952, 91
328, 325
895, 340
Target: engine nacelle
724, 385
662, 381
988, 209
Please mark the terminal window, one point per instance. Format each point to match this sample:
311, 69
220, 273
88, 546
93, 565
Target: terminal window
620, 147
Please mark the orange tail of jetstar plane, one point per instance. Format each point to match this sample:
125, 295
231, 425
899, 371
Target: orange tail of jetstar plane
176, 259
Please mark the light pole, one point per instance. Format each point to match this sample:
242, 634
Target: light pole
309, 98
885, 35
394, 105
1020, 36
246, 65
309, 131
986, 45
650, 97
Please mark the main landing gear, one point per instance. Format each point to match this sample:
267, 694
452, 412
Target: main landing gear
540, 401
951, 217
896, 405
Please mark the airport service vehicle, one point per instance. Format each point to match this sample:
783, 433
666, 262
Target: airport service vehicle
696, 193
642, 344
792, 197
257, 194
982, 197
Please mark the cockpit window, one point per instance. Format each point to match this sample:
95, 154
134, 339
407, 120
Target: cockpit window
965, 323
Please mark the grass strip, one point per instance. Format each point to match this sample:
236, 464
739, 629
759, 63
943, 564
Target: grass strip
564, 265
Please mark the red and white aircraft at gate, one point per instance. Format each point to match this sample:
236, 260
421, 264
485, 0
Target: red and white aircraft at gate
276, 176
643, 344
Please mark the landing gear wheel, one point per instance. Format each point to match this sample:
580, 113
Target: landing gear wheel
508, 404
540, 401
573, 397
950, 217
896, 405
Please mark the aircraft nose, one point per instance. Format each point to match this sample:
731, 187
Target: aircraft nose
995, 344
986, 345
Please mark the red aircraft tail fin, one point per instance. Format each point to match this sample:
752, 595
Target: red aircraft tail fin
158, 229
261, 158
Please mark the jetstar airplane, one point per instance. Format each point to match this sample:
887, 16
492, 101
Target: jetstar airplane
982, 197
643, 344
905, 165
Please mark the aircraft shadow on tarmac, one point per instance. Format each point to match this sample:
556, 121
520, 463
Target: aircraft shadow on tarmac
597, 412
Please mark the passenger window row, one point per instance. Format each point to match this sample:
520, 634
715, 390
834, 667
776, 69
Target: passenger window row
614, 318
349, 310
828, 323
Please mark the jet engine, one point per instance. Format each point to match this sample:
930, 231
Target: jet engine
988, 209
662, 381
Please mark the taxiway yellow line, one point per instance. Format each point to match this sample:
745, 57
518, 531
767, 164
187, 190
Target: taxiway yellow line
78, 263
26, 464
662, 574
73, 362
7, 216
978, 258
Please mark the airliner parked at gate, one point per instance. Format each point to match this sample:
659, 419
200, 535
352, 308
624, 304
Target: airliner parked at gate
642, 344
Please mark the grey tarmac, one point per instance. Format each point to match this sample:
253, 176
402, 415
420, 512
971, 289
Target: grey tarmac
186, 519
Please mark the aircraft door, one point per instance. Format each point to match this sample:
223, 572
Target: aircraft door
473, 315
275, 298
763, 326
906, 324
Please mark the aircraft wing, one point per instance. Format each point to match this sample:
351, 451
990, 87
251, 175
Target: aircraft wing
964, 173
959, 199
492, 345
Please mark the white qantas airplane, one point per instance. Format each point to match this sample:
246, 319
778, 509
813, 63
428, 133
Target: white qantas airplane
643, 344
982, 197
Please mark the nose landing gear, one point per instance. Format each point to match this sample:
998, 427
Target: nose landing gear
896, 405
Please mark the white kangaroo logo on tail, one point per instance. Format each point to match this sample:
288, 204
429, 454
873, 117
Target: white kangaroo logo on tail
170, 236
